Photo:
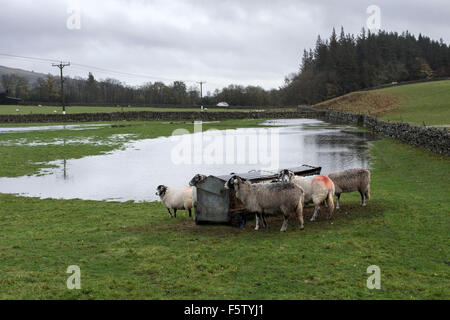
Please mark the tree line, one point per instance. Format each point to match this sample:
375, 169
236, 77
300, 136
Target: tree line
114, 92
337, 65
346, 63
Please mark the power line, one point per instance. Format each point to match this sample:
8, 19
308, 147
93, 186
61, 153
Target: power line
61, 66
99, 69
128, 73
25, 57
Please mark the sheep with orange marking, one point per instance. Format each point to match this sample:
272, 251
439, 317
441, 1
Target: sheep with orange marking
315, 188
350, 181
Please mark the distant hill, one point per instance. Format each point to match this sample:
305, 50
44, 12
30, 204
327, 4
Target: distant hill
419, 103
31, 76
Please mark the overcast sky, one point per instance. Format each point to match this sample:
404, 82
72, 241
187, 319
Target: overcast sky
245, 42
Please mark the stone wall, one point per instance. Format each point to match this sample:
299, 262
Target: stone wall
147, 115
430, 138
434, 139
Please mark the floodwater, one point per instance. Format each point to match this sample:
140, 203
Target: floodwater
53, 127
134, 172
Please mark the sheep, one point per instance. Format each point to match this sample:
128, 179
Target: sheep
193, 183
352, 180
175, 199
316, 189
262, 198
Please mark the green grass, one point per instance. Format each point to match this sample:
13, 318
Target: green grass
8, 109
135, 251
427, 102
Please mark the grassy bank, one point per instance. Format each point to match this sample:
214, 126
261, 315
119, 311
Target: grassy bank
134, 251
427, 102
419, 103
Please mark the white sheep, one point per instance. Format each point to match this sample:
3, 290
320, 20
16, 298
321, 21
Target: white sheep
352, 180
193, 183
176, 199
316, 189
262, 198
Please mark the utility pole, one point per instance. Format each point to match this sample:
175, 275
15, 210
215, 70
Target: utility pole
61, 65
201, 93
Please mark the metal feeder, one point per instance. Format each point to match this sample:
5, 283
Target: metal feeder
215, 204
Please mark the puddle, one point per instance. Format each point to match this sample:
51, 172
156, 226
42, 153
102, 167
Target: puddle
134, 172
111, 140
51, 128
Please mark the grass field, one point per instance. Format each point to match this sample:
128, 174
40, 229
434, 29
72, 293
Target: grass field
427, 102
8, 109
134, 251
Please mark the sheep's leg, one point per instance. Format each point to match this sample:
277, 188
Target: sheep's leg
285, 223
338, 196
366, 195
175, 212
316, 212
363, 199
190, 212
256, 221
264, 221
330, 204
300, 217
170, 214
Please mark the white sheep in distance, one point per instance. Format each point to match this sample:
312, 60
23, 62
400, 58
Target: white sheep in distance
352, 180
263, 198
193, 183
175, 199
316, 189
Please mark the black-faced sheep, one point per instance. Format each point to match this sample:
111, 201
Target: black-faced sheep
350, 181
316, 189
193, 183
175, 199
261, 198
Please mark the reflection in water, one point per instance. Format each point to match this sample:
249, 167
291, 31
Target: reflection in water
65, 169
64, 162
134, 172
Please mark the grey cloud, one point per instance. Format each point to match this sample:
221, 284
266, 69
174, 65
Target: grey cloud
249, 42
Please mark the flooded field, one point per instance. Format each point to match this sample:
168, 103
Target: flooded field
134, 171
52, 127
